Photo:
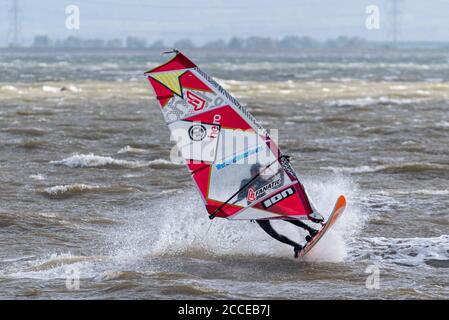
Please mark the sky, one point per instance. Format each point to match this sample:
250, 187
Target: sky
206, 20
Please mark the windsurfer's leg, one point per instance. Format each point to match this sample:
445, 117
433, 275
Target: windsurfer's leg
303, 225
266, 226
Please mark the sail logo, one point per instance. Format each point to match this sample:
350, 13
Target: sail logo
251, 195
195, 101
258, 193
215, 129
278, 197
197, 132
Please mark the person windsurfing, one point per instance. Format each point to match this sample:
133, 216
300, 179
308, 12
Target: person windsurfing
265, 224
200, 113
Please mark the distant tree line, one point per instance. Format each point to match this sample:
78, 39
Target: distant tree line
288, 42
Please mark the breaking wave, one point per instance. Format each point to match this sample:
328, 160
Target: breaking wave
51, 89
131, 150
55, 266
9, 88
70, 190
37, 176
93, 161
428, 192
407, 252
413, 167
369, 101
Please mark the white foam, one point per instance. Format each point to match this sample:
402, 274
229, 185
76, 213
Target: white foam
73, 88
429, 192
398, 167
9, 88
324, 192
369, 101
163, 162
183, 226
37, 176
92, 161
361, 169
70, 88
50, 89
129, 149
61, 189
402, 251
55, 266
178, 224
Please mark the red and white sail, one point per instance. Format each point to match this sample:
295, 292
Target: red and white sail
223, 144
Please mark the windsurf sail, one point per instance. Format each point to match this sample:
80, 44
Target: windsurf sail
237, 167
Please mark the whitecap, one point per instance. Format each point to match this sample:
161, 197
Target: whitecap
129, 149
91, 161
50, 89
37, 176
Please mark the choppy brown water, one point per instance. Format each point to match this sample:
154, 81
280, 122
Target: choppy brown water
87, 186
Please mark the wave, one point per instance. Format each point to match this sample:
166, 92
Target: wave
70, 88
413, 167
35, 112
333, 92
37, 176
9, 88
60, 260
31, 144
36, 132
54, 266
146, 236
131, 150
319, 67
93, 161
407, 252
418, 191
70, 190
369, 101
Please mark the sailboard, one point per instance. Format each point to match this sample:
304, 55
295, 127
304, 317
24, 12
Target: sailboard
340, 206
237, 167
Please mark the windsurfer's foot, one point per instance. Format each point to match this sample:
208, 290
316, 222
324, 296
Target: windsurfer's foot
297, 249
312, 232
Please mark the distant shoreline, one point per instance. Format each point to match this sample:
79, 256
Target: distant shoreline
367, 47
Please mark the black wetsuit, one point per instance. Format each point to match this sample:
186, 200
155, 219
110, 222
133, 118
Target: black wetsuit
266, 226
